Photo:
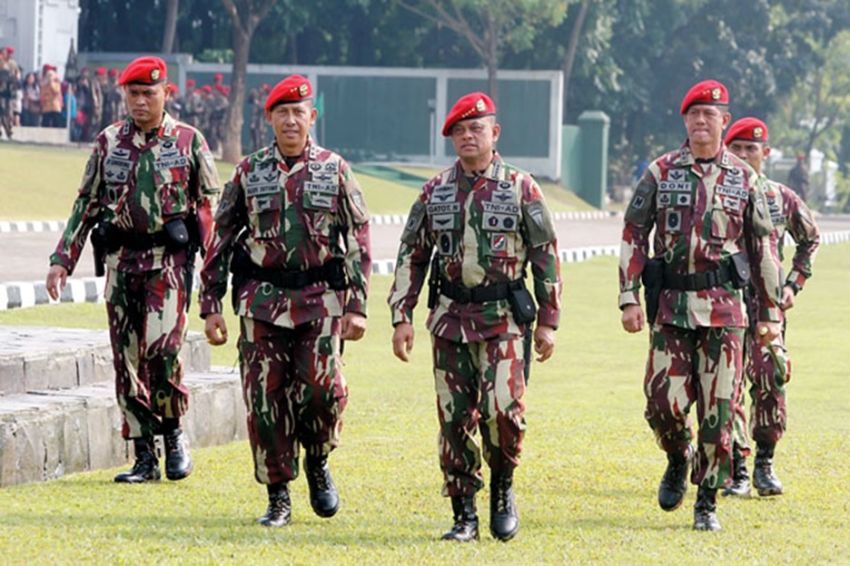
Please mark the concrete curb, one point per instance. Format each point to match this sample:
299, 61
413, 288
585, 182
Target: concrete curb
40, 358
32, 226
377, 219
90, 290
47, 434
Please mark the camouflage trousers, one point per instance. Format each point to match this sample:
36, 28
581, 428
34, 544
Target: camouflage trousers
479, 387
147, 326
294, 392
687, 366
6, 115
768, 370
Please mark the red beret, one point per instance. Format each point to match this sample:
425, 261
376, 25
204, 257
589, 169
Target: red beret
206, 88
113, 72
267, 87
190, 83
144, 70
218, 77
173, 88
472, 105
47, 67
293, 88
100, 71
706, 92
748, 129
10, 49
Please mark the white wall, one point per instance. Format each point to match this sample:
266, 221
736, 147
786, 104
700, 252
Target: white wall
40, 31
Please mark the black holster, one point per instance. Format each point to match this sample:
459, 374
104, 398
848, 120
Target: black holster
434, 282
653, 280
99, 244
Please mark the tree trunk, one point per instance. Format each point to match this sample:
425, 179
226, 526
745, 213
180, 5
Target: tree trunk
492, 59
232, 142
572, 48
170, 26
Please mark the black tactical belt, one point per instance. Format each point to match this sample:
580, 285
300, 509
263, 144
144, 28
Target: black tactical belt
479, 293
137, 241
332, 273
697, 281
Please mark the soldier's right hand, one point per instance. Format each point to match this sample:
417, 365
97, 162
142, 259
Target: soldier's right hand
216, 329
56, 278
403, 341
632, 318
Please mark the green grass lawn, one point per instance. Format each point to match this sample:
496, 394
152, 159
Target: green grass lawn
41, 182
586, 489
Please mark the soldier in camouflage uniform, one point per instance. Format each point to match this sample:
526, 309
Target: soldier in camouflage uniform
258, 119
768, 367
488, 221
113, 103
294, 231
150, 186
10, 82
217, 113
712, 229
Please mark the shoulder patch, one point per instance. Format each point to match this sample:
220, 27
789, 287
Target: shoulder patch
414, 223
640, 207
538, 223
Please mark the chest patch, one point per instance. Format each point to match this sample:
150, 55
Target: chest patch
117, 167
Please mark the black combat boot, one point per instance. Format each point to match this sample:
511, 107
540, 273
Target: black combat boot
178, 463
465, 528
740, 486
504, 521
146, 467
674, 483
705, 510
764, 480
324, 497
279, 512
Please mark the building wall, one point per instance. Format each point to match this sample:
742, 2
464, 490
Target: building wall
41, 31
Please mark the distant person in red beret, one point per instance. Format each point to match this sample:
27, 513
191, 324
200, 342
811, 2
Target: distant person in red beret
10, 84
147, 196
113, 98
712, 240
768, 368
486, 222
294, 221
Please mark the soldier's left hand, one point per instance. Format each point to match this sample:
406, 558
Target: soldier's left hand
768, 331
544, 342
353, 326
787, 298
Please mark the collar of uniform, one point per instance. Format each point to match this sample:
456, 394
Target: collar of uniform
725, 158
495, 171
166, 127
299, 163
686, 157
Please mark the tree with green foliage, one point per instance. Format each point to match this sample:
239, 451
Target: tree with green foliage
490, 26
246, 16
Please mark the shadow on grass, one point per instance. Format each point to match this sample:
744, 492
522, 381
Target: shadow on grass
227, 528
